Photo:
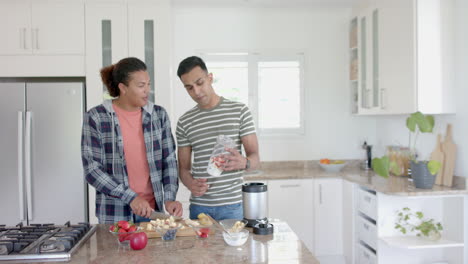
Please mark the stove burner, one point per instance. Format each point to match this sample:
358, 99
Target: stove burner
18, 246
42, 241
51, 246
6, 248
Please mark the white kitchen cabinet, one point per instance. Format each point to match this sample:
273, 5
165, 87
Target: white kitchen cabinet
149, 39
313, 209
348, 221
405, 57
106, 43
115, 30
39, 33
15, 25
364, 59
42, 27
292, 201
328, 215
416, 55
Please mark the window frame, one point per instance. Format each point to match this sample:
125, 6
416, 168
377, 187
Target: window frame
252, 59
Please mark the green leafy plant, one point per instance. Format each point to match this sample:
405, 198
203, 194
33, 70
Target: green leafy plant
416, 123
408, 221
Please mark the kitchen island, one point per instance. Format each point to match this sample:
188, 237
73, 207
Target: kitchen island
283, 246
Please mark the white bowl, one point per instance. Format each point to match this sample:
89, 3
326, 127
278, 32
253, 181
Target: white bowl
332, 168
236, 239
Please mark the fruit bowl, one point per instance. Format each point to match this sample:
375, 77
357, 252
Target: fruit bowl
231, 226
236, 239
123, 237
333, 166
168, 234
202, 231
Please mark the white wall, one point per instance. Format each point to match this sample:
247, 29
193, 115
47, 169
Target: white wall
392, 130
321, 33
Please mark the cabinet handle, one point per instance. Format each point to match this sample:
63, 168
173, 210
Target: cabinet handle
366, 226
20, 165
367, 199
320, 194
27, 160
289, 185
382, 98
37, 38
23, 37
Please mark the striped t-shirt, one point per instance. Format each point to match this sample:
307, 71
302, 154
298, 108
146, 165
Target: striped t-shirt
199, 128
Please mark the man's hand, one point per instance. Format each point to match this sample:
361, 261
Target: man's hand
141, 207
198, 187
235, 161
173, 208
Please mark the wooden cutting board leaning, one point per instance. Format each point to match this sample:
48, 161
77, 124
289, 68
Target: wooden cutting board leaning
450, 150
439, 156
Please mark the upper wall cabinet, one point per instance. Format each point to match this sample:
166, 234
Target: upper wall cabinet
106, 43
409, 63
115, 30
53, 29
364, 60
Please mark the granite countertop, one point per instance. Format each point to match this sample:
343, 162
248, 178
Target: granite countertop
283, 246
393, 185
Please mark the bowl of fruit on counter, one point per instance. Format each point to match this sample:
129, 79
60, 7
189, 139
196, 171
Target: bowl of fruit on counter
234, 233
332, 166
167, 228
127, 233
202, 226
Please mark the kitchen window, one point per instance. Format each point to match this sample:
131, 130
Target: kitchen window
272, 87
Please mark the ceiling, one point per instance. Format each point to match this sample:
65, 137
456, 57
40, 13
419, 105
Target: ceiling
264, 3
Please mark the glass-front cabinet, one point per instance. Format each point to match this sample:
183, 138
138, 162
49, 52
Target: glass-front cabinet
353, 64
118, 30
366, 95
405, 57
106, 43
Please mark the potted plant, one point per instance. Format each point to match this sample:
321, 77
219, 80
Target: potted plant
408, 221
422, 172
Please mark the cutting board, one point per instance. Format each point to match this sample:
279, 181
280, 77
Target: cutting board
450, 150
183, 232
439, 156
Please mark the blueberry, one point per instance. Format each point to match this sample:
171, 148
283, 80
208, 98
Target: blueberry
170, 235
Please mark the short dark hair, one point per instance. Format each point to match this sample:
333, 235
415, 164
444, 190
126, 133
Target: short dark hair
120, 72
189, 64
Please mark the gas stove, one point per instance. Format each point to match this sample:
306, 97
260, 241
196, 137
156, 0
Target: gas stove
42, 242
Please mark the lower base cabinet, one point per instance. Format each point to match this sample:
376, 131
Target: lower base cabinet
313, 209
292, 201
328, 208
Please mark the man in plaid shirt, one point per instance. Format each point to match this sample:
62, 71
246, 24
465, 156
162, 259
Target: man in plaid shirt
133, 167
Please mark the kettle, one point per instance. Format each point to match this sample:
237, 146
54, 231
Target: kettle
255, 200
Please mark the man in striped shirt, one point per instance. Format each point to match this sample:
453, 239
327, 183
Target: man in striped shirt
197, 130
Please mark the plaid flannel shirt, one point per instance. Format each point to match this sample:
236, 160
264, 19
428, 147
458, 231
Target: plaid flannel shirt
104, 161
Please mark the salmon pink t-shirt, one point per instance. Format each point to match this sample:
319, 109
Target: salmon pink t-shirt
135, 153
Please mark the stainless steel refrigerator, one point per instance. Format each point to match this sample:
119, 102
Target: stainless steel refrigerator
41, 176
